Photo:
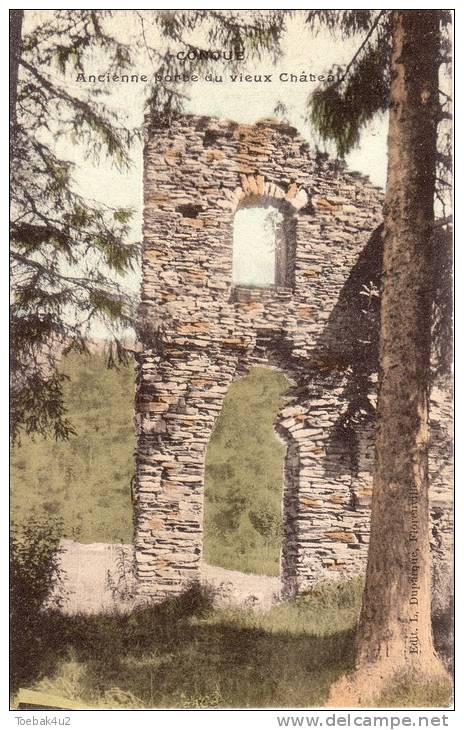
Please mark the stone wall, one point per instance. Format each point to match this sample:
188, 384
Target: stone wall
199, 333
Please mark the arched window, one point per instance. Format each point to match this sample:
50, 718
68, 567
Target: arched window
259, 247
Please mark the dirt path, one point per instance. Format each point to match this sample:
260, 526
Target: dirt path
92, 581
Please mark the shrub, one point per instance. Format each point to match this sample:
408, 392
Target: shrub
266, 521
34, 573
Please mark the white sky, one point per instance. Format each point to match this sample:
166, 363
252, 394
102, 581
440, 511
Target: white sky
246, 102
254, 249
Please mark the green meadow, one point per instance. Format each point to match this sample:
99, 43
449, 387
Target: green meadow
86, 481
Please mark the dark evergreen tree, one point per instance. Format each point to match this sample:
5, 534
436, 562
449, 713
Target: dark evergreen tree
69, 255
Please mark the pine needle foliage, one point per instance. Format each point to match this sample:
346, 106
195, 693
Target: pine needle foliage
70, 254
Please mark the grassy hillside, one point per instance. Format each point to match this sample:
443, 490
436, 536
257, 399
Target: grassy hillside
86, 481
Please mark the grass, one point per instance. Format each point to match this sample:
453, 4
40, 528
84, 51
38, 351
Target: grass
438, 694
86, 481
185, 654
182, 653
243, 477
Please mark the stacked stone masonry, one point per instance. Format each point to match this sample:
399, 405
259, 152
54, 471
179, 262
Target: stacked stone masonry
199, 332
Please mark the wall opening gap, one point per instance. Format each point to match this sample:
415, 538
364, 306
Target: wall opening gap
259, 247
244, 477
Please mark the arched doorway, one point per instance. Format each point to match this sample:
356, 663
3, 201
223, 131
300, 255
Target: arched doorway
244, 477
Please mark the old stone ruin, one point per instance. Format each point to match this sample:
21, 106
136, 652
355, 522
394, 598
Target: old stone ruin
316, 319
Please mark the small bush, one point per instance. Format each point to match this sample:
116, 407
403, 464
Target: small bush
34, 573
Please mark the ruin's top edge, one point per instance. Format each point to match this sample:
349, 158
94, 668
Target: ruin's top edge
159, 119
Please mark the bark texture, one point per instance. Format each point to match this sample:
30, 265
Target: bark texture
394, 634
16, 22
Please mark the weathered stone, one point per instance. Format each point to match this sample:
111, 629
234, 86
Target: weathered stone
199, 333
341, 536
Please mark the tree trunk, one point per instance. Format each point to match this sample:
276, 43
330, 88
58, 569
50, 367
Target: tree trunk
16, 22
394, 634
